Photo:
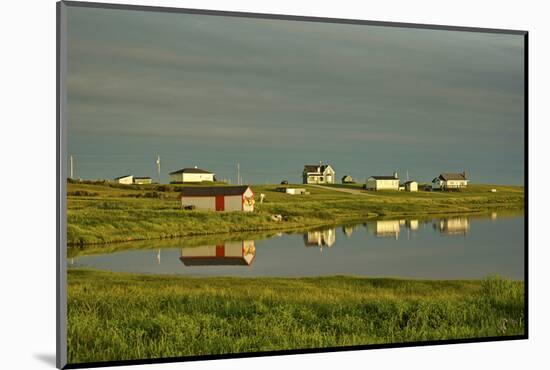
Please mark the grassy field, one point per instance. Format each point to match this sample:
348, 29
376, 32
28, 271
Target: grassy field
114, 316
104, 213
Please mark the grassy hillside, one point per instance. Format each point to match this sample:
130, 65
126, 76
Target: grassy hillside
114, 316
103, 213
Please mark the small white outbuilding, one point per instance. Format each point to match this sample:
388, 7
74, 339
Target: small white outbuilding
411, 186
126, 179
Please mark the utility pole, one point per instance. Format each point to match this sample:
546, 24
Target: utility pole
238, 173
71, 162
158, 168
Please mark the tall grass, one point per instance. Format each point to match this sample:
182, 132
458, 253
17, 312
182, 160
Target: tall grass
115, 316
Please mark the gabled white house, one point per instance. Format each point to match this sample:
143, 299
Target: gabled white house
383, 182
126, 179
194, 174
447, 181
318, 174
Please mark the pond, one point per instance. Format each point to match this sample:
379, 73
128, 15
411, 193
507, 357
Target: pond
460, 247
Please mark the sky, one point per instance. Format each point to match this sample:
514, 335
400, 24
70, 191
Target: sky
274, 95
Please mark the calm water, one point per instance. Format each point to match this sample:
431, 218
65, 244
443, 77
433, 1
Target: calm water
440, 248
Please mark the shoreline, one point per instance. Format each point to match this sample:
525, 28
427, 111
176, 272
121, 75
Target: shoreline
130, 214
300, 228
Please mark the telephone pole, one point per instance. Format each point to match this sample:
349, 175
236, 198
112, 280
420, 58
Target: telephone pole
158, 168
71, 162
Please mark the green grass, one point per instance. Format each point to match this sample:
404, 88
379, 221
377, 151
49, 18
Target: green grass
115, 316
103, 213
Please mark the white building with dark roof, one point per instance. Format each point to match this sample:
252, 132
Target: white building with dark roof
318, 174
193, 174
447, 181
383, 182
126, 179
218, 198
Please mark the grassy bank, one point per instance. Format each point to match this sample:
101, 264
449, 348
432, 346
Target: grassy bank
99, 213
116, 316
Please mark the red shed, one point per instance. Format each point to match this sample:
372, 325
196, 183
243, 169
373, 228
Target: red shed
219, 198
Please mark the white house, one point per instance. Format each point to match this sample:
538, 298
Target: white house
218, 198
383, 182
411, 186
194, 174
318, 174
447, 181
127, 179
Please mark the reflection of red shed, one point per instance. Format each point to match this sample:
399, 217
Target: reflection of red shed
240, 253
219, 198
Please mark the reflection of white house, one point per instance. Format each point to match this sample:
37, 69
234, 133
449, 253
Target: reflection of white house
447, 181
383, 182
348, 230
218, 198
387, 228
412, 224
411, 186
191, 175
454, 226
320, 238
127, 179
240, 253
318, 174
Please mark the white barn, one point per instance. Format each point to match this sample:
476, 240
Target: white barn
383, 182
318, 174
127, 179
218, 198
447, 181
194, 174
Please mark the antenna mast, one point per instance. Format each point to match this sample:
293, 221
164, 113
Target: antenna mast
71, 162
158, 168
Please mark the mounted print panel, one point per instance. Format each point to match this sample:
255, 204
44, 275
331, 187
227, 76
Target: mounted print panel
235, 184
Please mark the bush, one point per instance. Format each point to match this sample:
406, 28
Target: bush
82, 193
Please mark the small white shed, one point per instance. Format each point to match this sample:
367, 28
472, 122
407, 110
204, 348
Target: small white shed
411, 186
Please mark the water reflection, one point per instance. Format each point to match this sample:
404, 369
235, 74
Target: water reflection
320, 238
232, 253
453, 226
348, 229
475, 247
387, 228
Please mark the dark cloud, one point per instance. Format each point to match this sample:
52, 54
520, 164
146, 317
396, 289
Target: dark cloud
342, 93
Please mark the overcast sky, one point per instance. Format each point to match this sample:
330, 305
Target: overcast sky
274, 95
